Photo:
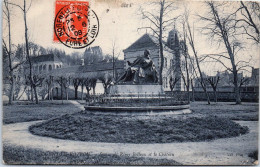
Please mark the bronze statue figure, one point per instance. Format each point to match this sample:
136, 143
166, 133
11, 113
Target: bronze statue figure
141, 71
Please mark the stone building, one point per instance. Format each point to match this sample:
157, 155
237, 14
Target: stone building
46, 63
93, 55
172, 56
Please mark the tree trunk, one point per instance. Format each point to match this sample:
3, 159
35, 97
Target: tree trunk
215, 95
206, 92
21, 93
57, 92
52, 93
11, 93
61, 90
94, 91
236, 89
188, 92
82, 87
32, 98
88, 92
27, 48
35, 94
67, 95
161, 44
225, 38
9, 55
202, 82
76, 92
193, 94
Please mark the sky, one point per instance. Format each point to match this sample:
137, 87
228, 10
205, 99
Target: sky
118, 24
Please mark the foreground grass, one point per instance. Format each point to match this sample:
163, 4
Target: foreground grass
86, 126
19, 155
254, 155
27, 111
242, 112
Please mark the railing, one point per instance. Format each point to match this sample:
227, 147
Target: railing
138, 100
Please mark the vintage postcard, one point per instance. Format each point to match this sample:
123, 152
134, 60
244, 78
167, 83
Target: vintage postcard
126, 82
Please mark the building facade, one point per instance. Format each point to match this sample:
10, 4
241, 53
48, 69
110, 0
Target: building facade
93, 55
46, 63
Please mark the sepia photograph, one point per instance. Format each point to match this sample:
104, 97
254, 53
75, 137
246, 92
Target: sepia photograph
130, 83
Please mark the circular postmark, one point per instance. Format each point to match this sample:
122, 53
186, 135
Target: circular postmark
76, 25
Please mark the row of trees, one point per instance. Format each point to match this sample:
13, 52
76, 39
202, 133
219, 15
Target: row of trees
47, 85
17, 59
227, 27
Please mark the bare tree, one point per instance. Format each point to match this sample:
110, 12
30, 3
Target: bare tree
106, 80
31, 76
172, 82
115, 55
213, 81
93, 84
242, 81
88, 86
66, 84
186, 70
192, 90
8, 49
250, 20
76, 82
60, 81
49, 82
221, 27
82, 84
195, 53
37, 82
159, 23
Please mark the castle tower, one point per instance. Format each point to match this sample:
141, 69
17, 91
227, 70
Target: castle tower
174, 44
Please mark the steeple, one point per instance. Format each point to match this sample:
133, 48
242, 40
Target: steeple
174, 44
173, 40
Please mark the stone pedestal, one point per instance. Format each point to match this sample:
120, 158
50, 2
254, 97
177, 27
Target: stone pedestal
136, 90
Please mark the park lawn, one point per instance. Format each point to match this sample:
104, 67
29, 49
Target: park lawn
24, 111
55, 110
96, 127
13, 155
242, 112
27, 111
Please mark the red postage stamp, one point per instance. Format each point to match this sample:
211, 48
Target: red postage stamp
75, 25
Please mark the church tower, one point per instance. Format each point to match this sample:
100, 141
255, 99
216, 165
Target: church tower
174, 44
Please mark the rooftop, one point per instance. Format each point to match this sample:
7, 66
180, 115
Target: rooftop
145, 41
97, 67
43, 58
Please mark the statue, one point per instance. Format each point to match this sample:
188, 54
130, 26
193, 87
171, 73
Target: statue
141, 71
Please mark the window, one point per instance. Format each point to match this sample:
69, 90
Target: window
44, 67
40, 68
50, 67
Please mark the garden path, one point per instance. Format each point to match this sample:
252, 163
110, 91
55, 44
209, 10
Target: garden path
228, 151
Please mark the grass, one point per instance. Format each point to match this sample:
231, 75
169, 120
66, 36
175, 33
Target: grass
86, 126
205, 123
254, 155
27, 111
243, 112
21, 156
